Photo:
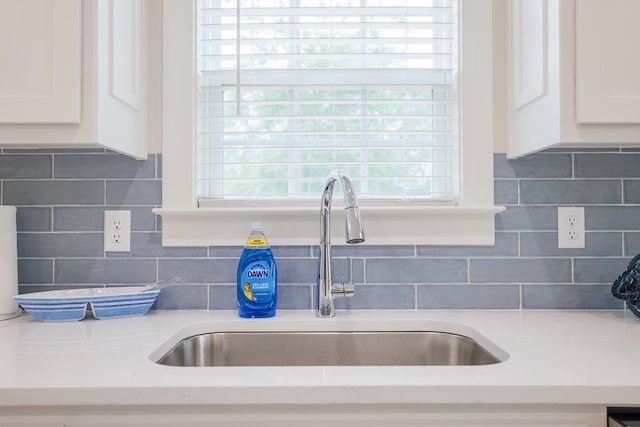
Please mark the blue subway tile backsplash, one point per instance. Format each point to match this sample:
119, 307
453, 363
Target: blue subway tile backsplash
395, 296
52, 192
26, 167
61, 196
569, 297
541, 165
607, 165
488, 297
106, 166
96, 271
570, 191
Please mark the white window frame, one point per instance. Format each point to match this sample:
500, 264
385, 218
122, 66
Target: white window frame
470, 222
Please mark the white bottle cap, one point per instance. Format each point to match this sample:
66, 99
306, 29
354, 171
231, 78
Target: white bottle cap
256, 226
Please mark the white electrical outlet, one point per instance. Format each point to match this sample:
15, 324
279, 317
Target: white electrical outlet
117, 231
571, 227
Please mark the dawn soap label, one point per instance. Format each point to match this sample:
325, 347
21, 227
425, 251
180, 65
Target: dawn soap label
258, 283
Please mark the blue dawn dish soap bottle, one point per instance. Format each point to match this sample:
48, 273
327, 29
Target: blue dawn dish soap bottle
257, 277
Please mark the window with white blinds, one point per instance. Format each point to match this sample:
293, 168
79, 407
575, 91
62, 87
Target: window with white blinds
291, 89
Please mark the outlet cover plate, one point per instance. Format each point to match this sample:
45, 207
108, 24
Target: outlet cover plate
571, 233
117, 231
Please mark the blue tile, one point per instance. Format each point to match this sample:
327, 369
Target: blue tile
35, 271
78, 218
297, 271
158, 222
506, 245
385, 276
292, 251
294, 297
570, 192
225, 252
198, 270
371, 251
569, 297
357, 271
598, 270
223, 297
528, 218
540, 165
622, 165
33, 219
142, 218
545, 244
612, 218
149, 245
90, 218
58, 245
105, 271
183, 297
631, 244
520, 270
416, 270
53, 192
340, 270
102, 166
486, 297
134, 193
631, 191
380, 297
28, 166
505, 192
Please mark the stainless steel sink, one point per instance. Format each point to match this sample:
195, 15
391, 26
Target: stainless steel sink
327, 349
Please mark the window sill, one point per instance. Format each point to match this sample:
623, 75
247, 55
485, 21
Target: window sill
300, 224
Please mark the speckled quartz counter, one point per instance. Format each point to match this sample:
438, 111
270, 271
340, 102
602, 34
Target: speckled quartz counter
575, 359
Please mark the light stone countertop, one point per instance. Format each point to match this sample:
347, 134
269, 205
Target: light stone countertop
551, 357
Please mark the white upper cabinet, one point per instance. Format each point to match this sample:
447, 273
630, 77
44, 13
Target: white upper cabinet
608, 61
575, 74
73, 74
40, 42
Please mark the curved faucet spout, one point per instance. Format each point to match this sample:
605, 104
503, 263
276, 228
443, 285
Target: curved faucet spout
354, 234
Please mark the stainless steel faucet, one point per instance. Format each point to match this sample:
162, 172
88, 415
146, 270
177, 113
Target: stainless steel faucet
327, 291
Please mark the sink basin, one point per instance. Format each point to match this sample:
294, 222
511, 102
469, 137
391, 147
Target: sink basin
351, 348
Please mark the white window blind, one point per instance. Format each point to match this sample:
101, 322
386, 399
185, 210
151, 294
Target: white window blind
292, 89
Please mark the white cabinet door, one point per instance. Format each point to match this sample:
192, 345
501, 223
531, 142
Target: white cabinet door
310, 416
40, 42
380, 416
552, 44
608, 61
73, 74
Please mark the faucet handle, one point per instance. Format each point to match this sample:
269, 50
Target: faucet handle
345, 289
342, 290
